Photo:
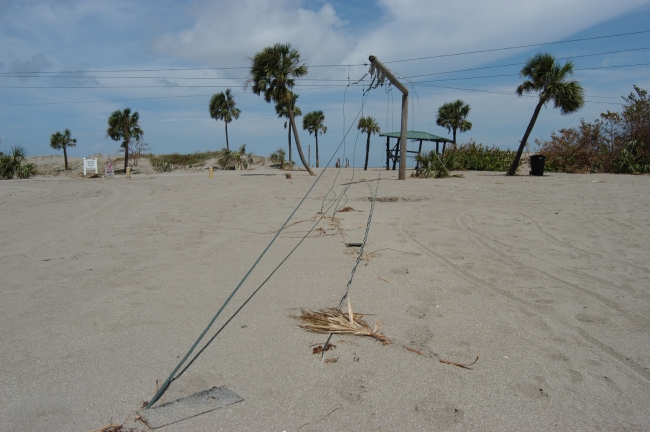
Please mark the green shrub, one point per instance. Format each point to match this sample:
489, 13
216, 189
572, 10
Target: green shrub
13, 164
470, 156
614, 143
162, 166
184, 159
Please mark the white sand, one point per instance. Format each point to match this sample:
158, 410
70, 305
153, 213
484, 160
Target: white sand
105, 284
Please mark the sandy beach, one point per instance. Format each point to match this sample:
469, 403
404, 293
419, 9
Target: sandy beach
106, 283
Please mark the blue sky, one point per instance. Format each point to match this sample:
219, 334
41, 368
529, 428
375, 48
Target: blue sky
69, 64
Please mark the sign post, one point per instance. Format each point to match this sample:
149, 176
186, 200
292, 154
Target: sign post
90, 164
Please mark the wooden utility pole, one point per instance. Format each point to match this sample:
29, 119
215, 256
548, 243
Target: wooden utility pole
405, 113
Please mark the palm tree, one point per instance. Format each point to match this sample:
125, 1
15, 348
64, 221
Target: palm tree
549, 78
452, 116
313, 123
281, 111
13, 164
63, 140
369, 126
278, 158
273, 73
222, 107
242, 159
122, 125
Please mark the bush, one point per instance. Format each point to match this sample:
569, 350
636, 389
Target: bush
615, 143
13, 164
184, 159
470, 156
162, 166
434, 165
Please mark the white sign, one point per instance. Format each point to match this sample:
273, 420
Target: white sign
109, 168
90, 164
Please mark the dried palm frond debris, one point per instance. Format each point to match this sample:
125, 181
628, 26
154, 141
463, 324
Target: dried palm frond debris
332, 320
110, 428
319, 349
418, 352
462, 365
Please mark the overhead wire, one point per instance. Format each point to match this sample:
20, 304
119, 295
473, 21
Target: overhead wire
168, 381
342, 65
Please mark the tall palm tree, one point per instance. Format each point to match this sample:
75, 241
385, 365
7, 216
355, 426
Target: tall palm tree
273, 73
222, 107
122, 125
313, 123
63, 140
368, 125
549, 78
281, 111
452, 116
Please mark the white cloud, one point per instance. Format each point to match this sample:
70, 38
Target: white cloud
229, 33
416, 28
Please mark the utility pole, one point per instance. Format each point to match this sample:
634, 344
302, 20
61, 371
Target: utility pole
405, 113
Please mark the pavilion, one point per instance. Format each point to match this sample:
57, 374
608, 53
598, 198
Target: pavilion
393, 154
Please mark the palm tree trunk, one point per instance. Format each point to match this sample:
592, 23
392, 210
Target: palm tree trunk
317, 163
290, 157
454, 137
227, 146
126, 154
365, 165
529, 129
292, 120
65, 156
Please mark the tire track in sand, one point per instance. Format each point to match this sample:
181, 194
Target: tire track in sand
539, 228
631, 364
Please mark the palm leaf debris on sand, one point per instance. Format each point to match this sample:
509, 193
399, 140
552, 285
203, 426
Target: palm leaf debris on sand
332, 320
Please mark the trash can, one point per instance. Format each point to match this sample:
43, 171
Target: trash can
537, 165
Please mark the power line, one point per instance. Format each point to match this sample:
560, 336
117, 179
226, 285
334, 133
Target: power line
104, 100
19, 75
508, 93
519, 46
334, 65
509, 75
298, 85
154, 86
520, 63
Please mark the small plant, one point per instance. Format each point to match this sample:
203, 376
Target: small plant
139, 148
13, 164
162, 166
237, 160
434, 165
629, 161
278, 157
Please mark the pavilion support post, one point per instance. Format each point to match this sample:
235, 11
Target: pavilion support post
405, 113
417, 163
387, 153
395, 153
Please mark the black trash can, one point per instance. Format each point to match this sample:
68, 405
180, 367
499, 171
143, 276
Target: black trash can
537, 165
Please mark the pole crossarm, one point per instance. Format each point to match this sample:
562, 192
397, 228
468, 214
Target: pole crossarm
389, 75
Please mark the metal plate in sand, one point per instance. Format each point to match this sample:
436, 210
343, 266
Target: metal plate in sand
190, 406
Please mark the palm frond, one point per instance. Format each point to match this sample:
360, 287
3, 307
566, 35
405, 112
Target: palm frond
332, 320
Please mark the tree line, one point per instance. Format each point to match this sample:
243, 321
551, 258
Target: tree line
620, 139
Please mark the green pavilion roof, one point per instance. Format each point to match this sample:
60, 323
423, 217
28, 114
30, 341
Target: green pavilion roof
417, 135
